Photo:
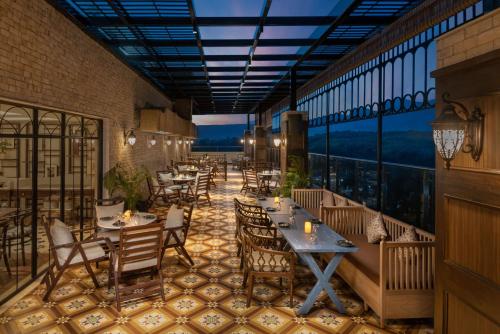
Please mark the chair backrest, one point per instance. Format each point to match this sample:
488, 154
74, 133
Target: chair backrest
140, 245
58, 234
250, 210
251, 176
187, 213
109, 210
202, 183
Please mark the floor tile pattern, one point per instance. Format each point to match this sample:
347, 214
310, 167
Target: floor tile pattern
205, 298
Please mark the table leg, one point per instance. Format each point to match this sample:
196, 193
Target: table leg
322, 283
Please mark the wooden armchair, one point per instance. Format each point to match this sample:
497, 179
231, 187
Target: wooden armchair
16, 232
108, 208
252, 182
67, 252
246, 214
161, 191
199, 189
139, 251
264, 257
176, 229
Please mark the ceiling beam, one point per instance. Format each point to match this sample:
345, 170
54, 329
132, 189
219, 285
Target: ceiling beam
264, 57
234, 42
234, 77
234, 69
346, 7
236, 21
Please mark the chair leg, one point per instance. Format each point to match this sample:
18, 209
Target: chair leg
23, 253
162, 293
6, 261
290, 288
52, 285
238, 252
245, 278
117, 293
250, 290
91, 273
208, 199
183, 250
110, 273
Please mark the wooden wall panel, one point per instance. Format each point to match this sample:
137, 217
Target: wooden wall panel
463, 319
468, 208
472, 234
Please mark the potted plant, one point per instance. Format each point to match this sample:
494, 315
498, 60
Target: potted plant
296, 176
128, 182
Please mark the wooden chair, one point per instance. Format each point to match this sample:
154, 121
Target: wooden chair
246, 214
199, 189
4, 226
67, 252
139, 251
160, 191
252, 182
264, 258
176, 229
17, 233
108, 207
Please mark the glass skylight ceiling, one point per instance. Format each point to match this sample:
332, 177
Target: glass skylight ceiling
229, 54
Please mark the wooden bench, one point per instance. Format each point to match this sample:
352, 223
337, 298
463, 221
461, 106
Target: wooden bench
395, 279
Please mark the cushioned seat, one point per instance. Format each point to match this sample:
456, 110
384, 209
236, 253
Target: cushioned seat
92, 251
367, 258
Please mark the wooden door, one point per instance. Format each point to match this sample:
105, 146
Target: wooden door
468, 209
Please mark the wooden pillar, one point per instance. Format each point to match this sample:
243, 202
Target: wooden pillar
260, 146
468, 194
247, 147
293, 138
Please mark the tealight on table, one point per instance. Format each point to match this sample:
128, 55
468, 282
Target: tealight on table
300, 242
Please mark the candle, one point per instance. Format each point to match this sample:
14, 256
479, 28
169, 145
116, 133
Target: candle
126, 215
307, 227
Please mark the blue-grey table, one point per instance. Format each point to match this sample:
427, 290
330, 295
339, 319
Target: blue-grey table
300, 242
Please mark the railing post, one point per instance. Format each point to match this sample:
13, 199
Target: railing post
379, 134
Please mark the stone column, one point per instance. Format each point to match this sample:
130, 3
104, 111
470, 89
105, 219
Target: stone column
293, 139
260, 153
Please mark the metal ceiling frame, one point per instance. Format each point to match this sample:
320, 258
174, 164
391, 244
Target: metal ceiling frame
168, 48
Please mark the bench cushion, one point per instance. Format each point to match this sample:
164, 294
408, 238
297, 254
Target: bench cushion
367, 258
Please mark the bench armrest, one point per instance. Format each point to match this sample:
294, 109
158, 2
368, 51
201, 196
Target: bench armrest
407, 265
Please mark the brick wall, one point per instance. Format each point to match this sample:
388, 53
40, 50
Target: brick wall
472, 39
47, 60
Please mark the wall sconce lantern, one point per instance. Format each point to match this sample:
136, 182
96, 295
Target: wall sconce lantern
250, 141
277, 142
129, 137
186, 142
169, 141
242, 141
191, 141
458, 129
179, 141
152, 141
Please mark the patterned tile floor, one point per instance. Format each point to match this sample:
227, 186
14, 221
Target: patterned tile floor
207, 298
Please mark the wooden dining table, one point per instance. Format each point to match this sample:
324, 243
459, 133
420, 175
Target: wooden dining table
304, 246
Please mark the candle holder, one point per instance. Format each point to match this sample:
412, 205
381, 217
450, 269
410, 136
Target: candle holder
277, 203
307, 227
